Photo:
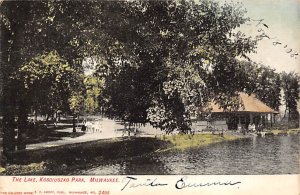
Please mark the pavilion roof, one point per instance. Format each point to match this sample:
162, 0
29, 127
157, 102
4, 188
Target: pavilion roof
248, 104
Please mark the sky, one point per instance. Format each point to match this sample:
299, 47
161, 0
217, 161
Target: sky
282, 18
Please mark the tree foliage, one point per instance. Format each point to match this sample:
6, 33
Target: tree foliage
188, 51
49, 81
157, 61
93, 90
290, 85
30, 29
268, 87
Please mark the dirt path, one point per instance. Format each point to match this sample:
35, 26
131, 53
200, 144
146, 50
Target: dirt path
108, 129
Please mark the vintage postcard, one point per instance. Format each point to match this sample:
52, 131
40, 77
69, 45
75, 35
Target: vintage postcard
150, 96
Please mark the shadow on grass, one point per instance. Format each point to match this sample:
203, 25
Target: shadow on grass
65, 159
52, 135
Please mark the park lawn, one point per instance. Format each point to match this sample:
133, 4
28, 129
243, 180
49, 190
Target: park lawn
61, 160
30, 169
2, 169
290, 131
184, 141
276, 131
293, 131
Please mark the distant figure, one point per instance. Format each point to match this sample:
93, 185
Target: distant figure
135, 128
31, 127
239, 128
98, 126
192, 131
55, 121
83, 127
252, 127
88, 125
222, 133
31, 124
260, 128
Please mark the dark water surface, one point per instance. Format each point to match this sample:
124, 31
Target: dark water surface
258, 155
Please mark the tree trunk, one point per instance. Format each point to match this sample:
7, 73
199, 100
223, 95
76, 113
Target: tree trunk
35, 116
12, 42
9, 142
289, 115
8, 104
22, 124
74, 124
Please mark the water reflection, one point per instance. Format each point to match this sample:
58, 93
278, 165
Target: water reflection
267, 155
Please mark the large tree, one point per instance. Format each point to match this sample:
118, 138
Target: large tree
268, 87
290, 86
166, 58
188, 51
15, 20
28, 29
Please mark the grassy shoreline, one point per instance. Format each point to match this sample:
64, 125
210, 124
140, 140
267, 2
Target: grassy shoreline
65, 159
185, 141
288, 131
62, 159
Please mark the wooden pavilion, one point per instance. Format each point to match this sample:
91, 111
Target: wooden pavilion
250, 112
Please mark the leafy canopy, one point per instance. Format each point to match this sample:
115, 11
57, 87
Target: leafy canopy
170, 58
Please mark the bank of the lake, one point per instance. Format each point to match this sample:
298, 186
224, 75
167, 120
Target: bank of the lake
67, 159
252, 156
285, 131
185, 141
63, 159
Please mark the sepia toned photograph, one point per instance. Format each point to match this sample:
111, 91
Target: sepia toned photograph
149, 87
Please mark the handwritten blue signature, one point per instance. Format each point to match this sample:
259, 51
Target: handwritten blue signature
133, 182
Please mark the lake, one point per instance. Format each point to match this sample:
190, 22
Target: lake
257, 155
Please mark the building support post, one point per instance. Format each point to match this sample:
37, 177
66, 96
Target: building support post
271, 119
260, 118
240, 123
251, 118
